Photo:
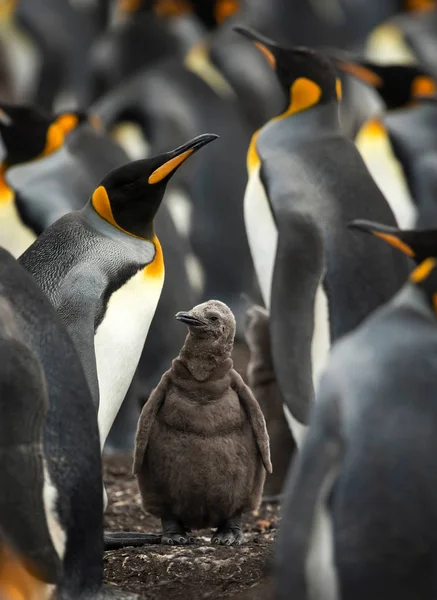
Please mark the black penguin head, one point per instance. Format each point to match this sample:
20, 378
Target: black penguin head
129, 196
212, 319
306, 74
28, 132
421, 245
398, 85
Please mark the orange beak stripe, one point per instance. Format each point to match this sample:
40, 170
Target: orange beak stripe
161, 172
394, 241
362, 73
267, 53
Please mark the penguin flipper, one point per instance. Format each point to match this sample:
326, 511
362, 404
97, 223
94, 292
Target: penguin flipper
26, 545
256, 418
146, 420
310, 481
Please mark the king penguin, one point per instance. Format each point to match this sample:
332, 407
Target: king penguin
27, 133
397, 87
51, 517
358, 520
103, 270
306, 182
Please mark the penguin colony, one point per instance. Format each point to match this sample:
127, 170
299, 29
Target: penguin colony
128, 247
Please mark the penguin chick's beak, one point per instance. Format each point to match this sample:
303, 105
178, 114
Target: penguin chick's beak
266, 46
189, 319
176, 157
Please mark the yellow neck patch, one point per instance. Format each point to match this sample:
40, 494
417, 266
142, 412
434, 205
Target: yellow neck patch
421, 272
6, 193
156, 268
372, 129
304, 94
161, 172
67, 122
395, 242
16, 583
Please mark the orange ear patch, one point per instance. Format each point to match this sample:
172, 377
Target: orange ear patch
101, 204
67, 122
304, 94
419, 5
267, 53
395, 242
54, 139
161, 172
421, 272
129, 6
224, 9
422, 85
362, 73
172, 8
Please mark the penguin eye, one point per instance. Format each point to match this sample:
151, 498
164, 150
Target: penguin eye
213, 318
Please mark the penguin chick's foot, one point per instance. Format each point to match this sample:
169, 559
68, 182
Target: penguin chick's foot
174, 533
229, 533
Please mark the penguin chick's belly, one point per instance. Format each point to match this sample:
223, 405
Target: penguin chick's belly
201, 480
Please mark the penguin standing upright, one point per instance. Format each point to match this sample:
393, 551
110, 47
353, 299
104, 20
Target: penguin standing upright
51, 501
103, 270
27, 133
306, 181
367, 468
397, 86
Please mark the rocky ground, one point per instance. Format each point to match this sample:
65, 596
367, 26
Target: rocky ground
183, 573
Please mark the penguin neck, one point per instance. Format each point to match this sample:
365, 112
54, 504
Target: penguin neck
6, 192
201, 356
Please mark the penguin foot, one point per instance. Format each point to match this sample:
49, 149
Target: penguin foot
174, 533
229, 533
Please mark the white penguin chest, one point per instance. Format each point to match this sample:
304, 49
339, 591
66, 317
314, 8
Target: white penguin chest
119, 341
261, 233
14, 235
386, 171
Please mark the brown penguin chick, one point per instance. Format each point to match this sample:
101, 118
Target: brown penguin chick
202, 447
262, 381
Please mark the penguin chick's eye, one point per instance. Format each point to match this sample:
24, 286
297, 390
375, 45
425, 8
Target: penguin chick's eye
212, 318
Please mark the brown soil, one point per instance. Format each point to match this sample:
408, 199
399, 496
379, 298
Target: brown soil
183, 573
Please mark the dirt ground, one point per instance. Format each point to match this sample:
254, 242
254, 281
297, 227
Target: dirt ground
183, 573
190, 572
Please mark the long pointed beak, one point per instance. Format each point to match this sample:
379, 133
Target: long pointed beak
371, 227
173, 159
391, 235
189, 319
264, 44
352, 66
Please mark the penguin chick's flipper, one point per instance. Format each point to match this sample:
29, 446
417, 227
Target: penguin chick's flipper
418, 244
256, 418
307, 491
229, 533
147, 418
174, 533
122, 539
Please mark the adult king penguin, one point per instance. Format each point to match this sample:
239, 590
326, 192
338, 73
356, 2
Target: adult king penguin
103, 270
27, 133
367, 466
306, 182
